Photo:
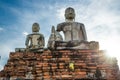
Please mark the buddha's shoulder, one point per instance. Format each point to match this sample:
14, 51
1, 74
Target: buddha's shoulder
61, 24
65, 23
78, 23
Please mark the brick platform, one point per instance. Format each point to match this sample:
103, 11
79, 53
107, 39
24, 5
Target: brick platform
54, 65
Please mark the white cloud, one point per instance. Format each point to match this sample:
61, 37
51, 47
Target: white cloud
1, 29
25, 33
60, 13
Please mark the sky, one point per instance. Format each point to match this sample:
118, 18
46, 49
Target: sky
100, 17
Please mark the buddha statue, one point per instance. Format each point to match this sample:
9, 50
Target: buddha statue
35, 42
74, 32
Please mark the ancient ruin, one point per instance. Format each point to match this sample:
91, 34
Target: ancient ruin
73, 58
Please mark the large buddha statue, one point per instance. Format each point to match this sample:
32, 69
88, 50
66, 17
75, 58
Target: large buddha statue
35, 42
73, 31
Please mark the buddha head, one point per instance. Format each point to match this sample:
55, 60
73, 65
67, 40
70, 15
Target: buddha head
69, 13
35, 27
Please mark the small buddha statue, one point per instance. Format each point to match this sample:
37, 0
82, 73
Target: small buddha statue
35, 42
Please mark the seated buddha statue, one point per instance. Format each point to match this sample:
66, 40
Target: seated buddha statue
35, 42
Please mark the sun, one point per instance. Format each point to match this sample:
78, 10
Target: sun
112, 48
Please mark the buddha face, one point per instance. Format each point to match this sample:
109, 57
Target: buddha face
70, 13
35, 27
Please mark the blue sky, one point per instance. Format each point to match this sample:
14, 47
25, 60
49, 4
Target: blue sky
101, 19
